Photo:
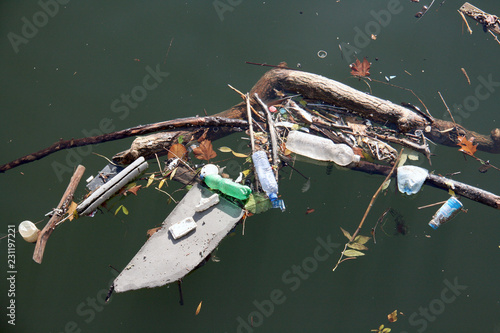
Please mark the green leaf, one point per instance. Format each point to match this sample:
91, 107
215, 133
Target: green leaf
118, 209
258, 203
347, 234
353, 253
150, 179
361, 239
180, 139
357, 246
122, 207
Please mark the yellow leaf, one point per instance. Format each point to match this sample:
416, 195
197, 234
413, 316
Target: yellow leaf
246, 172
353, 253
347, 234
161, 183
150, 179
386, 184
239, 154
173, 173
125, 210
451, 192
198, 308
225, 149
361, 239
72, 211
357, 246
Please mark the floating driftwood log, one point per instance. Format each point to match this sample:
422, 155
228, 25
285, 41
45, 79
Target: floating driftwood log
328, 108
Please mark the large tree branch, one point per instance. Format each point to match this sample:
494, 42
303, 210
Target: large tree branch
182, 123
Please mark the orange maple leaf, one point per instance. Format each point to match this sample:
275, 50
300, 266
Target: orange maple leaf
359, 68
204, 151
467, 146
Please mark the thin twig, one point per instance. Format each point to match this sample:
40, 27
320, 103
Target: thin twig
447, 108
250, 126
159, 165
376, 195
407, 89
426, 10
465, 20
465, 73
494, 36
432, 205
266, 65
107, 159
168, 50
272, 134
166, 194
243, 96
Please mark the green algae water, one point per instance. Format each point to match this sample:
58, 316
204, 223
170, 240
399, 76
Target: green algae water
72, 69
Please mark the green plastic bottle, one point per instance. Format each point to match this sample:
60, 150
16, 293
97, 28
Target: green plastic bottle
227, 186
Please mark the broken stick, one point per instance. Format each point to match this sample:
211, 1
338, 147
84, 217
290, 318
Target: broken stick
58, 213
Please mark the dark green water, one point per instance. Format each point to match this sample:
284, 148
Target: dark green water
65, 77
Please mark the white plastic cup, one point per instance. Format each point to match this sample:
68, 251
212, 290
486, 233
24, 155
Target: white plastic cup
29, 231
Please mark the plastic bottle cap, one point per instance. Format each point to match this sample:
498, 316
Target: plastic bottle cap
209, 169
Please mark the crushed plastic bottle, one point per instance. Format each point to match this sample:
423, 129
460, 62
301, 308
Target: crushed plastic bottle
227, 186
411, 178
447, 211
320, 149
266, 178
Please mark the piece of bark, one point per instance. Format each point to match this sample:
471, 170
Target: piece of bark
58, 213
489, 21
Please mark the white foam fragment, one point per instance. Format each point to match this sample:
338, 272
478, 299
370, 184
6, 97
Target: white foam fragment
183, 227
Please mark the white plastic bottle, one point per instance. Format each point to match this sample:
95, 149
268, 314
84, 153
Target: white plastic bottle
266, 178
320, 149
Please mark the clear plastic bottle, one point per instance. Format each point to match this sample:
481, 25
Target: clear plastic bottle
266, 178
227, 186
320, 149
447, 211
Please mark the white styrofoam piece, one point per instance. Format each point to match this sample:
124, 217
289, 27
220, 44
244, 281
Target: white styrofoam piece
183, 227
163, 259
206, 203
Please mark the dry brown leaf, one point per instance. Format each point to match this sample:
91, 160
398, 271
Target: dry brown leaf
177, 150
467, 146
151, 232
359, 68
393, 316
205, 151
134, 189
